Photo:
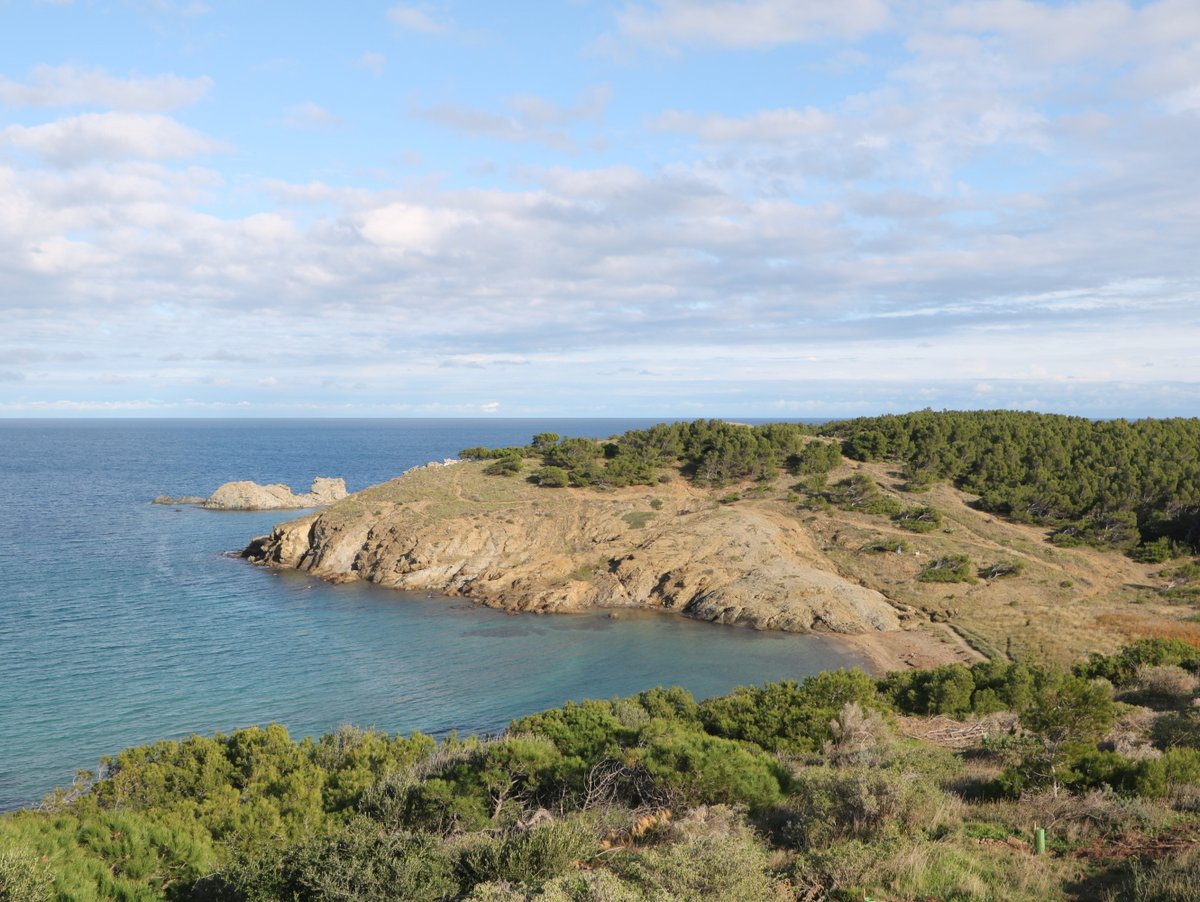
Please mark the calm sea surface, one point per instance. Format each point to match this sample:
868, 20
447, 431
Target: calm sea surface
122, 623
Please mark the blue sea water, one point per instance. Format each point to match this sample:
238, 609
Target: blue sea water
122, 622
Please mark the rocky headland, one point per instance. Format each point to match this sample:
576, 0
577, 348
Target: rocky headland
755, 556
251, 496
509, 544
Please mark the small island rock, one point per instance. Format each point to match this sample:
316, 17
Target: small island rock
250, 496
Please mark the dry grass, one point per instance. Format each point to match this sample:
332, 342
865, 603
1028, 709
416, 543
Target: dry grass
1063, 604
1143, 626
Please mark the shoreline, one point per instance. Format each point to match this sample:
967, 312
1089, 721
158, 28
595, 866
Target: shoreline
878, 652
914, 649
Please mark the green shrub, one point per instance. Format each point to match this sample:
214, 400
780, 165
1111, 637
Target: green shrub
100, 855
863, 803
493, 453
1159, 551
716, 857
1156, 776
919, 519
859, 493
983, 688
585, 730
1002, 570
1121, 669
527, 858
1065, 717
553, 477
486, 783
787, 717
815, 457
638, 519
24, 877
509, 465
359, 861
1178, 729
949, 568
1186, 573
699, 769
886, 546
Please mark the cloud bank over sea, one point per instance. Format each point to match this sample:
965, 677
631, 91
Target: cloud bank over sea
631, 208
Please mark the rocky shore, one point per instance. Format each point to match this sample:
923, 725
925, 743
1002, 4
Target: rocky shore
251, 496
512, 545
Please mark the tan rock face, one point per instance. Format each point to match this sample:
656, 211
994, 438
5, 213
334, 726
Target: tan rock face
250, 496
512, 545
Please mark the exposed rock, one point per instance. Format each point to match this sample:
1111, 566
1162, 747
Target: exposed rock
511, 545
250, 496
433, 465
181, 499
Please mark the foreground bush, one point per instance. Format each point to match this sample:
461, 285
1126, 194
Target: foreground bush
24, 877
864, 804
814, 789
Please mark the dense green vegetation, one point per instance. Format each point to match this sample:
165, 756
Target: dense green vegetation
710, 451
1110, 483
788, 790
1132, 486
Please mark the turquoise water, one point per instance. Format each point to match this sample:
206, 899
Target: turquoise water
123, 622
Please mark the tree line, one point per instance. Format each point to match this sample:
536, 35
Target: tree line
1121, 484
1125, 485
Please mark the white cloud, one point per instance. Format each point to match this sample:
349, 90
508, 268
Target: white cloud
409, 227
186, 8
766, 126
530, 118
310, 116
69, 86
373, 62
110, 136
669, 24
986, 204
419, 19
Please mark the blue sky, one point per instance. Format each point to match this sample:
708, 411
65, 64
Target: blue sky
657, 207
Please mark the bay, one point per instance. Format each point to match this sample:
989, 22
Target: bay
122, 623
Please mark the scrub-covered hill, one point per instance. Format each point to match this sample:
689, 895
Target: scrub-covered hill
770, 527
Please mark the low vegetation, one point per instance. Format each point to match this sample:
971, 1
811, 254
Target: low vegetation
1131, 486
919, 785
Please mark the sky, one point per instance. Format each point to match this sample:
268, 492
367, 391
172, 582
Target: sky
765, 208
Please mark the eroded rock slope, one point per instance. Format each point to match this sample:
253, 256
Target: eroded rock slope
509, 544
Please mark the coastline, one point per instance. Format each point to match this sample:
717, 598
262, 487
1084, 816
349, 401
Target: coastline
877, 653
912, 649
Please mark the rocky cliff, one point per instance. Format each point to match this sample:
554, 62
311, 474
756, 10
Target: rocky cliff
512, 545
250, 496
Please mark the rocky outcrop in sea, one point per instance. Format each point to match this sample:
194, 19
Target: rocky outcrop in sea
250, 496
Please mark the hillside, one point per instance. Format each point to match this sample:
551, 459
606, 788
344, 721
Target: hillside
923, 785
768, 553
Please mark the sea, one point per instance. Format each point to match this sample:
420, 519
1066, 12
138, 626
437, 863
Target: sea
122, 622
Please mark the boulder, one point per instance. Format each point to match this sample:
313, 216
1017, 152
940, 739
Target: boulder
250, 496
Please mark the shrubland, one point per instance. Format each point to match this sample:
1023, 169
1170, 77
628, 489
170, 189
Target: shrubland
917, 785
1006, 533
1126, 485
